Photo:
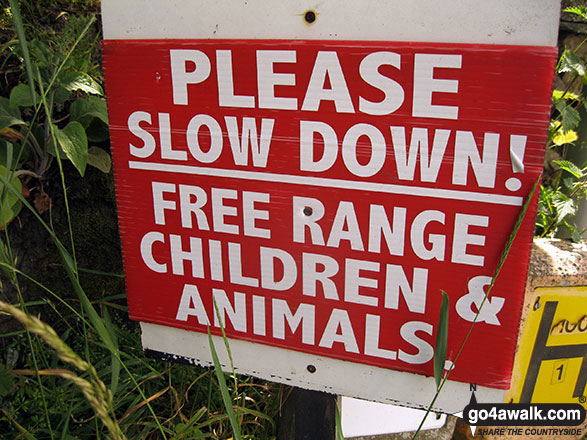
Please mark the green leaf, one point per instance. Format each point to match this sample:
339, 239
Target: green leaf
5, 265
6, 381
9, 200
19, 153
42, 53
20, 96
84, 110
74, 143
9, 115
8, 213
441, 340
100, 159
579, 10
16, 208
74, 81
569, 183
564, 205
61, 95
576, 236
570, 117
97, 131
569, 167
571, 62
564, 137
557, 95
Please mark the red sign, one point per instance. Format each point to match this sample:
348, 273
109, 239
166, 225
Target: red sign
323, 193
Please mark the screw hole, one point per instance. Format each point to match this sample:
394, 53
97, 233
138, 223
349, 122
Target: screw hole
308, 211
537, 304
311, 368
310, 16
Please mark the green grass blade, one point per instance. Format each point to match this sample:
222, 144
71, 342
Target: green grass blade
224, 389
144, 397
441, 340
338, 420
8, 175
22, 429
65, 431
226, 345
500, 264
115, 361
17, 19
101, 273
184, 430
93, 316
257, 414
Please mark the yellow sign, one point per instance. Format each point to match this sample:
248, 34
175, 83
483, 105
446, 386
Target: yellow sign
551, 361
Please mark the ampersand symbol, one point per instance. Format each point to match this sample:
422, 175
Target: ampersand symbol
475, 295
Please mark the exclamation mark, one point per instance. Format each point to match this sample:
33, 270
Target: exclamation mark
517, 150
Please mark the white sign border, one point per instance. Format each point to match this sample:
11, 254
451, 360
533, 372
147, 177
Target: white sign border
519, 22
331, 375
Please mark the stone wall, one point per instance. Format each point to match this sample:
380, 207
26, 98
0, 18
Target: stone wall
572, 22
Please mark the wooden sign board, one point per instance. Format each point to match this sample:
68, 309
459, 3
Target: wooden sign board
321, 175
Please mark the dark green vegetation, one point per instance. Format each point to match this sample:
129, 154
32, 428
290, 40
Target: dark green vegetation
564, 186
60, 260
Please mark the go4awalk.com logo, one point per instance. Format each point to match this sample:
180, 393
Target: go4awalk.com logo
507, 418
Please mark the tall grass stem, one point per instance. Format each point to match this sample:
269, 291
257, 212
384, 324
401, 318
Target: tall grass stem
498, 268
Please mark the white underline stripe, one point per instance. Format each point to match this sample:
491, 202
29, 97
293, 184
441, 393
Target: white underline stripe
331, 183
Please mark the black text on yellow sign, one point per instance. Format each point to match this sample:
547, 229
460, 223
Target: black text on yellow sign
551, 362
